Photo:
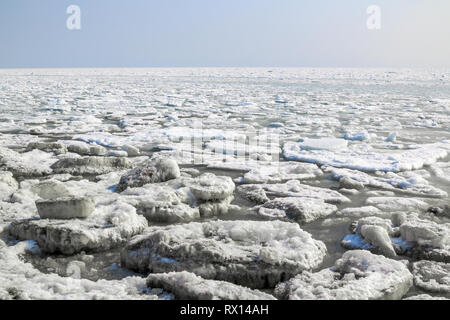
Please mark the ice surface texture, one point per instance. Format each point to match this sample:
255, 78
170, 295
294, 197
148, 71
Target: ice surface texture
432, 276
182, 199
406, 235
367, 161
159, 170
358, 275
108, 227
327, 149
249, 253
302, 210
188, 286
20, 280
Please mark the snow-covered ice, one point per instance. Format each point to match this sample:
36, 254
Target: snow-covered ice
249, 253
159, 170
188, 286
283, 172
358, 275
426, 233
293, 188
366, 160
432, 276
20, 280
91, 165
182, 199
107, 227
413, 185
397, 203
302, 210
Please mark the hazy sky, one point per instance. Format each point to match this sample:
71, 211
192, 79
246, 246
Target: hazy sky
145, 33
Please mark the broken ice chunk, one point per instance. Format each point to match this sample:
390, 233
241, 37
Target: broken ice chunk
153, 171
107, 227
188, 286
432, 276
332, 144
91, 165
358, 275
292, 188
397, 203
302, 210
65, 208
257, 254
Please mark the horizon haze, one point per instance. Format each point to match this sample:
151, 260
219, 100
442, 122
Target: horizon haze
201, 33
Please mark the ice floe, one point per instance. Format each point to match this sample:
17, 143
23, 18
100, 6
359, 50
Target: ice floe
374, 234
359, 212
292, 188
158, 170
182, 199
56, 147
32, 163
348, 143
249, 253
188, 286
441, 170
329, 144
91, 165
106, 228
20, 280
414, 158
426, 233
65, 208
302, 210
358, 275
397, 204
415, 185
432, 276
409, 235
425, 297
282, 172
359, 135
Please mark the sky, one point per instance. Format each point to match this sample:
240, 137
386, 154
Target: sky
222, 33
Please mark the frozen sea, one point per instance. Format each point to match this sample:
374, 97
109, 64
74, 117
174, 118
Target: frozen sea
341, 148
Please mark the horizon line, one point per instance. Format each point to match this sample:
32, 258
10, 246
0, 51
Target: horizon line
229, 67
